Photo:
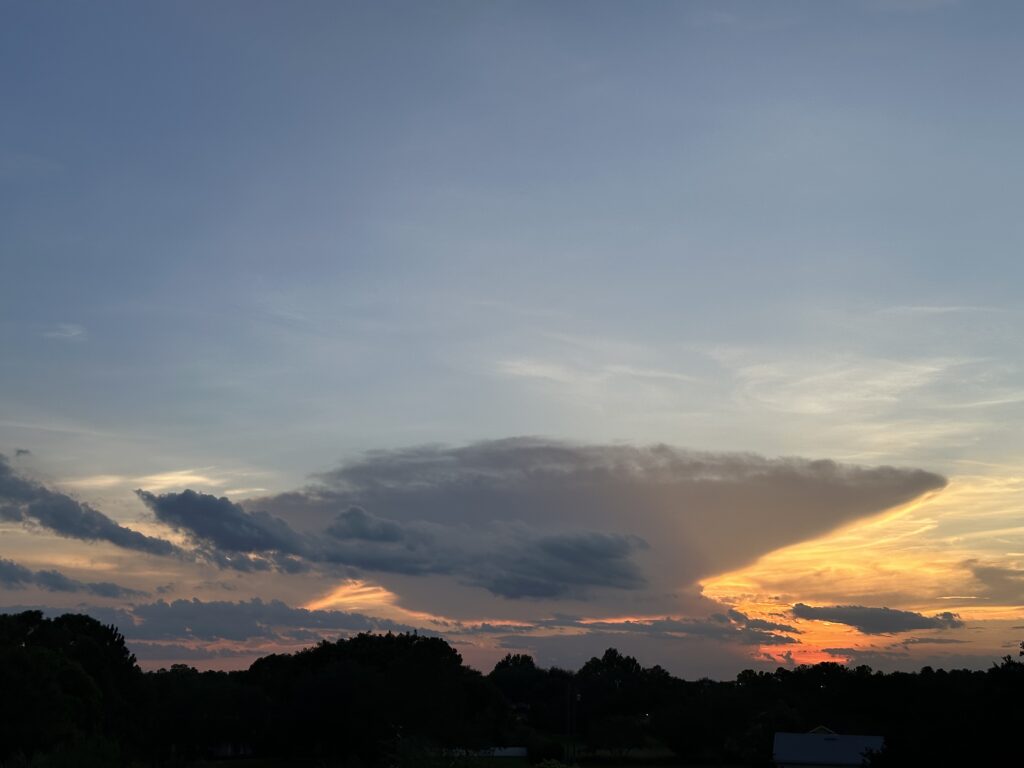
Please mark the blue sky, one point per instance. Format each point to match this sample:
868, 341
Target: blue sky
244, 243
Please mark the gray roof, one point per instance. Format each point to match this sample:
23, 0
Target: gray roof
823, 748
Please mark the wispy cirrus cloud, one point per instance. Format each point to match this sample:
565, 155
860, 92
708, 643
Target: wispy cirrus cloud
563, 373
937, 309
817, 386
203, 477
65, 332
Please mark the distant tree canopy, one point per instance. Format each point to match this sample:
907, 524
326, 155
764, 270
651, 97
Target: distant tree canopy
72, 694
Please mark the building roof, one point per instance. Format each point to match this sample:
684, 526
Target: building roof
821, 747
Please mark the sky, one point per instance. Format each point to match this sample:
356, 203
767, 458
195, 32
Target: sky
686, 328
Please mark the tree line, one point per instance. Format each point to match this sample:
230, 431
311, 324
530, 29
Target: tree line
72, 694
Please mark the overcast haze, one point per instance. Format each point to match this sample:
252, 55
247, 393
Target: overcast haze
689, 328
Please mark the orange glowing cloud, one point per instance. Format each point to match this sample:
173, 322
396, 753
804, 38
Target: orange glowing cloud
354, 594
373, 600
917, 557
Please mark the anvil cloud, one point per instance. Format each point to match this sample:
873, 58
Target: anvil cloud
531, 518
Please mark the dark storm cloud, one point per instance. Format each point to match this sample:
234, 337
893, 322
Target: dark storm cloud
28, 502
510, 561
552, 566
224, 524
876, 621
226, 535
932, 641
15, 576
999, 584
760, 624
355, 523
111, 590
56, 581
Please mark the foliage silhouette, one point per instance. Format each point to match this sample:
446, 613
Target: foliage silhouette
71, 694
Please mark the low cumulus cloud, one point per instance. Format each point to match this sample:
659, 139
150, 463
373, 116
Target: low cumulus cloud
244, 620
15, 576
25, 501
760, 624
876, 621
732, 626
194, 621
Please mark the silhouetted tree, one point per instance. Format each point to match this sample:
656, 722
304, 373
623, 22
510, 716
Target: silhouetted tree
67, 685
71, 694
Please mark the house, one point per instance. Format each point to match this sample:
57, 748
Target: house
822, 748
